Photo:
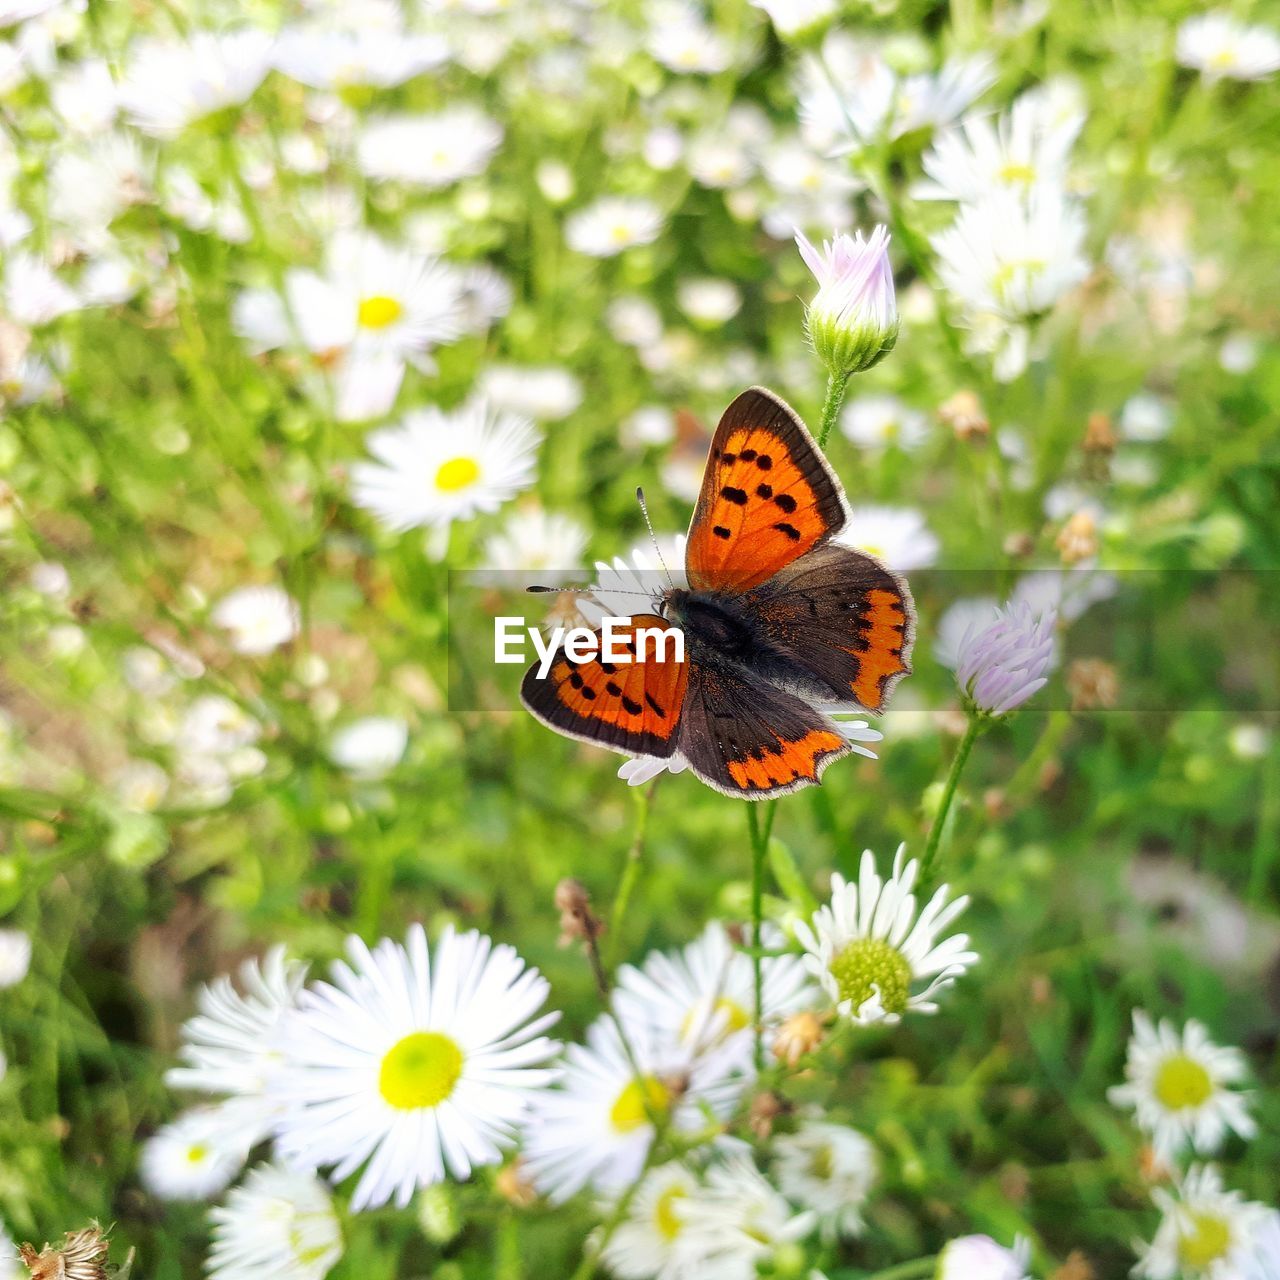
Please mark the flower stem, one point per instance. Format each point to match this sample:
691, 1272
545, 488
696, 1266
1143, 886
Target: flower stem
916, 1269
630, 872
972, 729
837, 384
759, 847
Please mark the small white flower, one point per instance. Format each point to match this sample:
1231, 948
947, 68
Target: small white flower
829, 1169
141, 786
1217, 45
170, 84
437, 467
703, 996
216, 726
736, 1222
1181, 1088
537, 540
1145, 417
1206, 1232
228, 1048
868, 946
596, 1127
415, 1064
371, 747
647, 1242
430, 151
33, 294
337, 60
792, 18
709, 302
877, 421
1239, 353
280, 1223
980, 1258
612, 224
190, 1159
898, 536
634, 320
259, 619
84, 96
546, 393
682, 41
15, 956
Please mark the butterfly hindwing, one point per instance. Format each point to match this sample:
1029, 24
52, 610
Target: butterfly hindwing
768, 497
843, 619
633, 707
748, 739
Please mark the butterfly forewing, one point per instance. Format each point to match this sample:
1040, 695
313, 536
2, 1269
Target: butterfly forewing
767, 498
633, 707
746, 738
844, 620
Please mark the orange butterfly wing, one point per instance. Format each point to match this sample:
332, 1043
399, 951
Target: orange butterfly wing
632, 707
768, 496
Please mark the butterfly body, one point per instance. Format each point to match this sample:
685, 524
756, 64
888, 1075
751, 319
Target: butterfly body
777, 622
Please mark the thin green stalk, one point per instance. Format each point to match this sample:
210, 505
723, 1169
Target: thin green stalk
916, 1269
837, 385
630, 872
972, 729
759, 847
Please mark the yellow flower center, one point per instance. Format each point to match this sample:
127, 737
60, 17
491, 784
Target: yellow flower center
1223, 58
356, 96
868, 963
1208, 1239
822, 1163
378, 311
1008, 273
420, 1071
197, 1154
1181, 1083
727, 1016
665, 1217
1012, 173
634, 1104
457, 474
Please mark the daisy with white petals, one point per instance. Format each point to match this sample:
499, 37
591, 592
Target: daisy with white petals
869, 948
431, 151
647, 1243
415, 1064
229, 1049
612, 224
1218, 46
830, 1169
259, 619
437, 467
190, 1159
1181, 1088
279, 1224
1206, 1233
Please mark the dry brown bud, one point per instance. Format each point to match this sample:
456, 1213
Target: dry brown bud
81, 1256
1018, 546
1078, 539
964, 415
799, 1034
578, 923
1015, 1183
995, 802
738, 934
1099, 434
765, 1109
1092, 683
1076, 1267
514, 1185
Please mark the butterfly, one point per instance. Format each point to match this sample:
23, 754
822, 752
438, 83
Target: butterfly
776, 622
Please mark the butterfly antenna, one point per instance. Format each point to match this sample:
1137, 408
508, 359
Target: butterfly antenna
584, 587
644, 511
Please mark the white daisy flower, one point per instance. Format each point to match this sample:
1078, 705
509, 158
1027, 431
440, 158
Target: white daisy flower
171, 84
868, 946
259, 619
412, 1065
370, 747
703, 996
84, 96
1013, 258
1217, 45
15, 956
140, 786
1266, 1250
708, 302
880, 421
1206, 1232
216, 726
338, 60
736, 1222
792, 18
898, 536
595, 1129
533, 540
437, 467
429, 150
280, 1224
612, 224
546, 394
1146, 417
33, 293
971, 1257
830, 1169
228, 1047
646, 1244
1020, 151
682, 41
1181, 1088
190, 1159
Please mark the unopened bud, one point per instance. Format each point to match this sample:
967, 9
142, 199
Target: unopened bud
1078, 539
1092, 684
799, 1035
514, 1185
963, 413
